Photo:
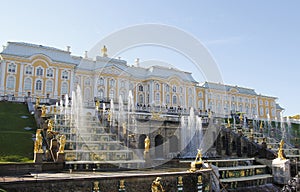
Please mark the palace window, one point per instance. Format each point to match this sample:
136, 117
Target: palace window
64, 88
167, 88
267, 103
38, 85
200, 104
174, 100
200, 94
174, 88
111, 94
49, 73
180, 100
27, 84
157, 97
122, 83
157, 87
87, 81
167, 99
273, 112
39, 71
122, 94
141, 98
28, 70
12, 68
100, 81
141, 88
180, 90
10, 82
101, 93
112, 83
49, 86
267, 111
190, 91
261, 111
65, 75
260, 102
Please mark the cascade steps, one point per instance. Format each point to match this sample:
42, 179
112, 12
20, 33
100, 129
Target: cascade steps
241, 172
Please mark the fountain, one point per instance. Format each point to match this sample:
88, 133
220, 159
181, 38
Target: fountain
191, 135
87, 138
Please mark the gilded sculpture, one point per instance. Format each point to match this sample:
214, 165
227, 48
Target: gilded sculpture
147, 144
104, 51
44, 109
280, 153
62, 143
38, 142
156, 185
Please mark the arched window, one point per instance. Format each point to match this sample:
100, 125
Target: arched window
12, 68
167, 99
49, 72
122, 94
190, 104
122, 83
111, 94
141, 98
27, 84
28, 70
101, 93
174, 100
39, 71
100, 81
157, 87
200, 94
180, 89
261, 111
87, 93
174, 88
10, 82
65, 74
141, 88
64, 88
112, 82
200, 104
38, 85
87, 81
49, 86
157, 97
167, 88
190, 91
181, 100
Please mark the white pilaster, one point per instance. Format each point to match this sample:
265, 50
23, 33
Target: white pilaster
56, 83
20, 91
2, 75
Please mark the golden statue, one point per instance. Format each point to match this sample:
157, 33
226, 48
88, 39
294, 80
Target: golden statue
43, 111
62, 143
38, 142
200, 179
180, 182
54, 109
280, 153
147, 144
261, 125
156, 185
96, 186
241, 118
228, 123
97, 104
199, 156
109, 115
198, 161
104, 51
37, 102
50, 124
122, 184
124, 128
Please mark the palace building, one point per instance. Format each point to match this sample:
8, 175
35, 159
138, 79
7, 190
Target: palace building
30, 70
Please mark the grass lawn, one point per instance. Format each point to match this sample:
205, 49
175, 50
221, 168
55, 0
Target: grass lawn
15, 142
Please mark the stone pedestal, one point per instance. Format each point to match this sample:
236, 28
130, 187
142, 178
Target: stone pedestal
60, 157
281, 171
38, 157
147, 159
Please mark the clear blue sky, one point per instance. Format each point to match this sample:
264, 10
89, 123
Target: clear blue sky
255, 43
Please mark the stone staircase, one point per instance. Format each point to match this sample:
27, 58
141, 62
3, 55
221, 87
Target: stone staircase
242, 172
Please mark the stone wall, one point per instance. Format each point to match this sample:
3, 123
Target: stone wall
134, 183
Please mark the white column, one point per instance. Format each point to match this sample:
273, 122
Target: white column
56, 83
95, 86
21, 79
2, 75
151, 92
163, 95
72, 76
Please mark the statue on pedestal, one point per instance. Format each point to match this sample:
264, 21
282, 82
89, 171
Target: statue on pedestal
147, 144
38, 142
104, 51
280, 153
62, 143
43, 111
156, 185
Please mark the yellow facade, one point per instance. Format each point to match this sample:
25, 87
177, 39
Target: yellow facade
56, 73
